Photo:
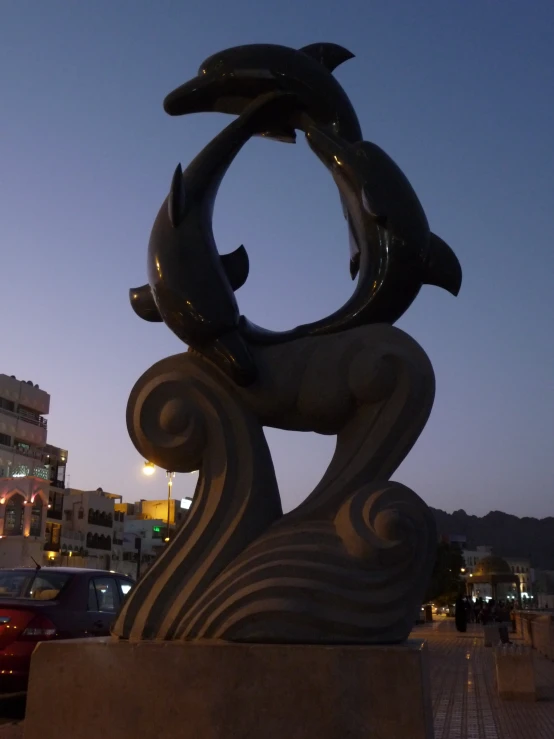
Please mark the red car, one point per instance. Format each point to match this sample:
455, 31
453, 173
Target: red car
52, 603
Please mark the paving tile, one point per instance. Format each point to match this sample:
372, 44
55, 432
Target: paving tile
466, 704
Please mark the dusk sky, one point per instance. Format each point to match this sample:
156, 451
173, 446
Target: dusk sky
459, 92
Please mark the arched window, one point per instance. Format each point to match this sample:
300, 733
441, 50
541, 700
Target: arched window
13, 521
36, 517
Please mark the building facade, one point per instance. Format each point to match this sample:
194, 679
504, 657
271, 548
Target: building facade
147, 521
473, 556
23, 428
86, 531
522, 568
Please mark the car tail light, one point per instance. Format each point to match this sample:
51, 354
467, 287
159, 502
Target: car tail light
39, 629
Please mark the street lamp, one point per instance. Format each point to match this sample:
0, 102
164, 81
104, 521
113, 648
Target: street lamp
170, 476
149, 469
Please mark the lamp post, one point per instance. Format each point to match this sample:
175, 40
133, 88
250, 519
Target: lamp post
170, 476
149, 469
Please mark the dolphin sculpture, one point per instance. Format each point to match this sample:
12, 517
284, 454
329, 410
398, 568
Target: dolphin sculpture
391, 245
190, 285
228, 81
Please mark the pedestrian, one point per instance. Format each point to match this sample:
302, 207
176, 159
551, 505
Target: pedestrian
460, 614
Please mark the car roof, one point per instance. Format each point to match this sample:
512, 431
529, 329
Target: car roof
64, 570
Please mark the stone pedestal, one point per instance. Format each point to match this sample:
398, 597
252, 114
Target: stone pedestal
217, 690
515, 676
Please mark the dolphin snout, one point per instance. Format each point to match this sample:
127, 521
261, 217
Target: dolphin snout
195, 96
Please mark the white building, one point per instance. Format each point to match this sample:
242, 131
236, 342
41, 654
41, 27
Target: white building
522, 568
23, 507
473, 556
90, 531
23, 428
147, 521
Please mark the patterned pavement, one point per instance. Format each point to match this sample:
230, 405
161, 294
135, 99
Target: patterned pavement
465, 702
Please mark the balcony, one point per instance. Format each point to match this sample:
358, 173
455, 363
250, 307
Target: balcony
30, 453
27, 416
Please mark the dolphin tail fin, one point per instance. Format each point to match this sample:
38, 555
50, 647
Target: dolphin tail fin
231, 353
142, 302
236, 266
443, 268
329, 55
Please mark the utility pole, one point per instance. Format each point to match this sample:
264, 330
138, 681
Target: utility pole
138, 547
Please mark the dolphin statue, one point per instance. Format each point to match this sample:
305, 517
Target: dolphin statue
391, 245
229, 80
190, 285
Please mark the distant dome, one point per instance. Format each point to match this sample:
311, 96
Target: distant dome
492, 565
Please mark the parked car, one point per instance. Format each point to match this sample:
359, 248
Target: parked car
40, 604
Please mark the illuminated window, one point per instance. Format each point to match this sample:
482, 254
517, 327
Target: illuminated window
41, 472
36, 518
13, 521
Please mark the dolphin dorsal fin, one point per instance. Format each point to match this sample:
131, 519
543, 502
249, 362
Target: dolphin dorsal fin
142, 302
176, 198
329, 55
443, 268
236, 266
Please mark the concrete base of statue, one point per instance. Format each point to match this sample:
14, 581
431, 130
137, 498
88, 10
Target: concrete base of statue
214, 690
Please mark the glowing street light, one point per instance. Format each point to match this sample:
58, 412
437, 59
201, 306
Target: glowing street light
149, 469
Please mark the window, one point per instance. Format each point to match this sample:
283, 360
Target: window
5, 439
125, 585
52, 536
92, 599
13, 520
7, 405
42, 585
107, 597
36, 518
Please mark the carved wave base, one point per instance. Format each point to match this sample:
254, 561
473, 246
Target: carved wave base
350, 564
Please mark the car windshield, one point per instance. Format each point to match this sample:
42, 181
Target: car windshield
38, 585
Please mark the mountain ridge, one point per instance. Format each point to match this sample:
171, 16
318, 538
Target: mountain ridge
509, 535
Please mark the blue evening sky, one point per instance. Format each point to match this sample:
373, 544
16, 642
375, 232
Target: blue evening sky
459, 93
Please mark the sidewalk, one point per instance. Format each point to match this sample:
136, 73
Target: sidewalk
463, 685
